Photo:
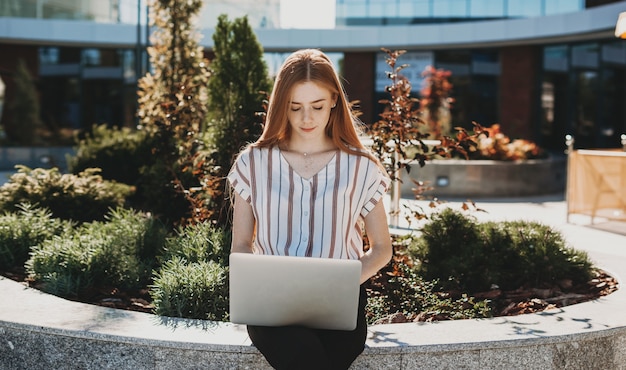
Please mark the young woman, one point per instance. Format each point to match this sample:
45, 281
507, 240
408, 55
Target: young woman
307, 188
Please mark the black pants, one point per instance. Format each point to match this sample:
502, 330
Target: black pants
300, 348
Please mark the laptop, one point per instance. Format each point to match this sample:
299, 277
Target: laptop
268, 290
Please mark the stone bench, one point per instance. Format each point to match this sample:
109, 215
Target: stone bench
40, 331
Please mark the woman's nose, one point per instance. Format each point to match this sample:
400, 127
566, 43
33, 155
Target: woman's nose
307, 115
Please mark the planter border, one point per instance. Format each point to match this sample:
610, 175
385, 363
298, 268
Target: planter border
458, 178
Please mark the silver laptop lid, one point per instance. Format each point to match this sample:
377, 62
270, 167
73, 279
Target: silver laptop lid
279, 291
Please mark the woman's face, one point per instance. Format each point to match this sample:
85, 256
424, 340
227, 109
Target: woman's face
309, 110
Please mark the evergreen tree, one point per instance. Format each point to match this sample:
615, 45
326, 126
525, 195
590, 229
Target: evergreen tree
26, 126
238, 89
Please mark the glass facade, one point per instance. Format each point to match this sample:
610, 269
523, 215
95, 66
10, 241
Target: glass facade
261, 13
583, 93
577, 87
104, 11
373, 12
95, 85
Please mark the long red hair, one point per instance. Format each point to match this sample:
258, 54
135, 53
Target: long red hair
311, 65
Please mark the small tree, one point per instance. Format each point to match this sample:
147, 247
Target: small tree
26, 125
237, 92
173, 103
172, 100
400, 126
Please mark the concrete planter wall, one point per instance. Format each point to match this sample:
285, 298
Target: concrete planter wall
485, 178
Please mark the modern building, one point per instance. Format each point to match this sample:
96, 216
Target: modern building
542, 69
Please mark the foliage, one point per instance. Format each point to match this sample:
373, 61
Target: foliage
173, 104
477, 256
493, 144
82, 198
237, 90
192, 281
199, 242
125, 155
172, 100
197, 290
400, 134
486, 142
116, 252
435, 101
403, 292
545, 256
120, 153
25, 127
23, 229
399, 127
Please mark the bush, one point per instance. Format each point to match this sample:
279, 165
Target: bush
544, 256
111, 253
449, 247
84, 197
193, 281
493, 144
23, 229
129, 156
480, 256
197, 290
120, 153
200, 242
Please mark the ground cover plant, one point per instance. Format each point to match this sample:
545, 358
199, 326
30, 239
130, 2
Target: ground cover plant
83, 197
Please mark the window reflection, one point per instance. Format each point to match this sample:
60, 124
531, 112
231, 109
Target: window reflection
426, 11
586, 103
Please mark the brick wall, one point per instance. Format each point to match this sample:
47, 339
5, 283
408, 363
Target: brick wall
518, 90
359, 70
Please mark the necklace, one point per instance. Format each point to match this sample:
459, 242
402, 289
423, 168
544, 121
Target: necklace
308, 161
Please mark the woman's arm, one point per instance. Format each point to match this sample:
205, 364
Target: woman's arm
243, 226
380, 250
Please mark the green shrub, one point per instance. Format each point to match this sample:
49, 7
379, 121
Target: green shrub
200, 242
479, 256
111, 253
197, 290
407, 293
84, 197
544, 255
449, 247
23, 229
120, 153
129, 156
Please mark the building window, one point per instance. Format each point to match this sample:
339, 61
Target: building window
586, 56
91, 57
556, 58
48, 56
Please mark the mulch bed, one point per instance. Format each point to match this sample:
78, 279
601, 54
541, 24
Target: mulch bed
509, 303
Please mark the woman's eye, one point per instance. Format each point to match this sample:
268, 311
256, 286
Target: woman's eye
295, 109
318, 108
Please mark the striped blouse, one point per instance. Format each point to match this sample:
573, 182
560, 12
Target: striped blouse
317, 217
